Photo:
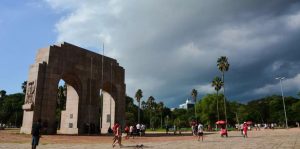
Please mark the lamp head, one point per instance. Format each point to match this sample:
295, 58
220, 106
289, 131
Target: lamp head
280, 78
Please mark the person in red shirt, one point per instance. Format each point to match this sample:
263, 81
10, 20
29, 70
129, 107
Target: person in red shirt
117, 135
127, 132
245, 129
223, 131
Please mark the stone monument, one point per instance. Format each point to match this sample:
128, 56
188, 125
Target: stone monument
89, 76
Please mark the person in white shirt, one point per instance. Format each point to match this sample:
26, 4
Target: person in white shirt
143, 129
131, 131
138, 129
200, 131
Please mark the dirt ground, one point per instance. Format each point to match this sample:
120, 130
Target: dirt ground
278, 138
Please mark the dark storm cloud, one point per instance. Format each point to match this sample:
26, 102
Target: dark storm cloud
170, 47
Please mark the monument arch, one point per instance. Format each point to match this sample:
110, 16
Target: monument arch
86, 79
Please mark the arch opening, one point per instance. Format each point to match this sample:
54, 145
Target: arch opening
108, 112
67, 105
107, 107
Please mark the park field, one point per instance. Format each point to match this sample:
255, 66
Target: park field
263, 139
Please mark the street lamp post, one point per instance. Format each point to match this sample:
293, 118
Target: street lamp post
111, 87
280, 79
167, 120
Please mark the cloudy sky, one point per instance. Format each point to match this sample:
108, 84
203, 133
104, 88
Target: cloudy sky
166, 47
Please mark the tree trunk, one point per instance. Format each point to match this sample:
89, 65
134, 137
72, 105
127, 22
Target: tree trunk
224, 99
195, 98
139, 112
150, 119
218, 105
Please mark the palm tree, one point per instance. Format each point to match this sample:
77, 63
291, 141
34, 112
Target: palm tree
194, 95
223, 66
217, 83
24, 86
144, 105
138, 96
150, 103
160, 108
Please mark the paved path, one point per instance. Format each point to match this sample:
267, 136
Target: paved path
264, 139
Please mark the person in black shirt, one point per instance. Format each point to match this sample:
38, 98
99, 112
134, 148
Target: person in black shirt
36, 133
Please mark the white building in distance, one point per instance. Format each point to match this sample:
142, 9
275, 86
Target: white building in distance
188, 104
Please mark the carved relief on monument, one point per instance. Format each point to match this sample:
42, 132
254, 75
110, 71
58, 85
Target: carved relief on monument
30, 92
29, 99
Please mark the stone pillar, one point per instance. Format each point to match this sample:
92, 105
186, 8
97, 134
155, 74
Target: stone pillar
33, 96
69, 117
49, 102
108, 102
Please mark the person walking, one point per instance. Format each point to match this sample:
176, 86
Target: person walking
117, 135
143, 130
127, 132
138, 128
245, 129
242, 129
200, 131
131, 131
167, 129
36, 134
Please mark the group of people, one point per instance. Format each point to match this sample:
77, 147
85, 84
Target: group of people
131, 131
244, 127
135, 130
139, 130
197, 130
265, 126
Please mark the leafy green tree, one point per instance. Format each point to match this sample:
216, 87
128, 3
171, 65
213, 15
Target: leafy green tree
144, 105
181, 117
131, 111
11, 109
60, 103
261, 107
2, 94
223, 66
62, 97
242, 114
144, 112
233, 112
130, 118
270, 110
217, 84
179, 122
24, 86
292, 116
138, 96
296, 111
150, 105
160, 108
207, 107
275, 106
194, 94
155, 121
